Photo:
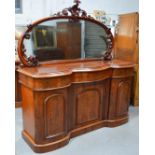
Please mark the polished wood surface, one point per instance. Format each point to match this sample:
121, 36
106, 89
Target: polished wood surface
50, 69
64, 100
127, 46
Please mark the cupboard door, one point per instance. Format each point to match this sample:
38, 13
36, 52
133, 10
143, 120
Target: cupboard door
90, 102
120, 98
52, 111
88, 105
54, 114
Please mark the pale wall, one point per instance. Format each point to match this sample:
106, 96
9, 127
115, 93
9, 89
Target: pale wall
35, 9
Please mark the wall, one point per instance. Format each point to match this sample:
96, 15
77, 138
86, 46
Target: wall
35, 9
32, 10
110, 6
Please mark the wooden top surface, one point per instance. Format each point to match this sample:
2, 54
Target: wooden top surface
50, 69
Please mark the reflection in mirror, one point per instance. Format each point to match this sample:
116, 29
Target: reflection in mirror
95, 40
65, 39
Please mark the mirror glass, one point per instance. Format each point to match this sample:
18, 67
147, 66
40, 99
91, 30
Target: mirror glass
62, 39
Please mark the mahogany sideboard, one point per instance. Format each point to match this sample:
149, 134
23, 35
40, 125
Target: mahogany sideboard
66, 99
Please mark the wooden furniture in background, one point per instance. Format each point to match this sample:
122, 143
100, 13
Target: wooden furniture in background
17, 87
127, 46
63, 100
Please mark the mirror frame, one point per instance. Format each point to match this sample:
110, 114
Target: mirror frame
73, 13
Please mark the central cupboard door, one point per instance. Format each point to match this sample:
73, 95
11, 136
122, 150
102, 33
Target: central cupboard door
89, 103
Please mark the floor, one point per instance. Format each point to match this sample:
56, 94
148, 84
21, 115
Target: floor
122, 140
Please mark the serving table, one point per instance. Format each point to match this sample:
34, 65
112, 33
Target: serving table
66, 99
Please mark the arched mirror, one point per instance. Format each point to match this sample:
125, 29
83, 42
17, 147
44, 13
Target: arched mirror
67, 35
